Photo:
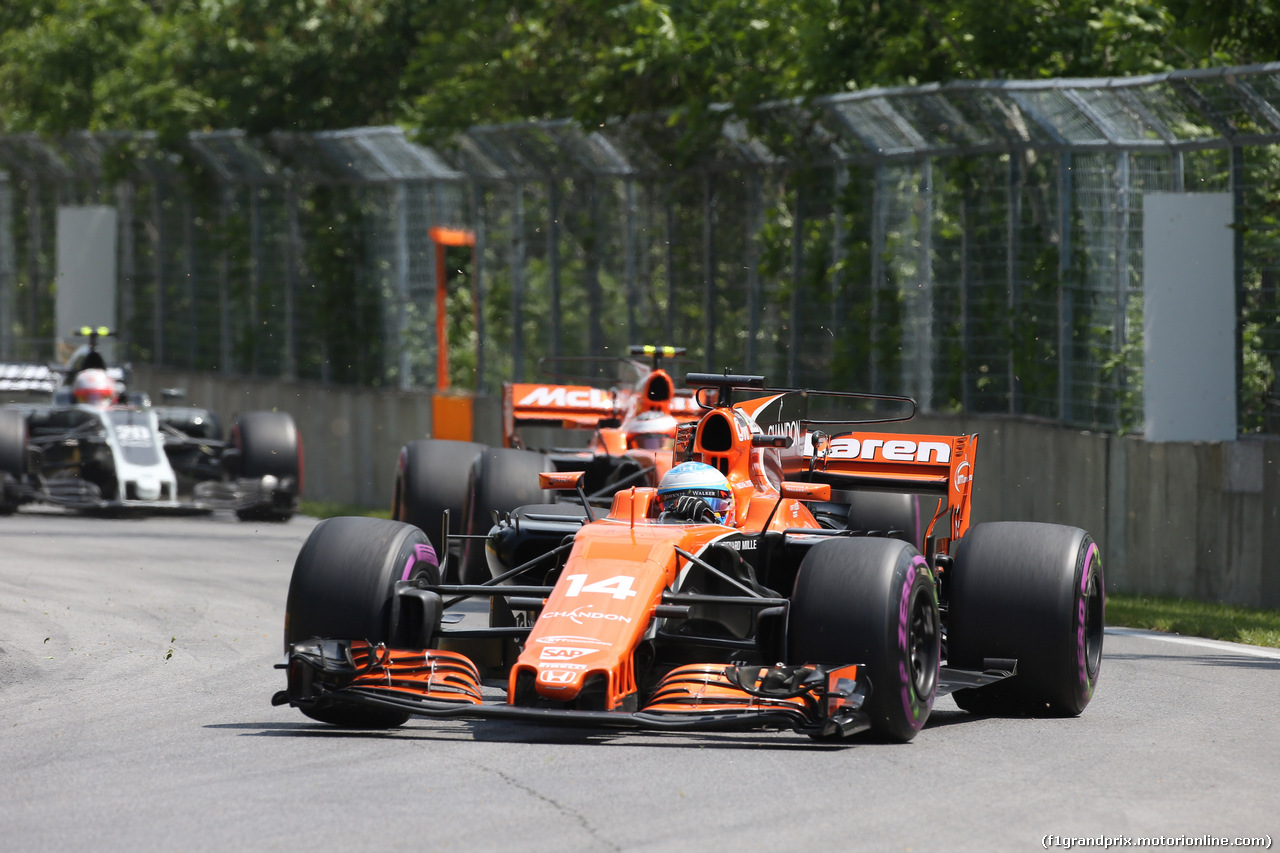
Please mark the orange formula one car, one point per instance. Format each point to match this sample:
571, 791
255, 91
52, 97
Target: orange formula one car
719, 599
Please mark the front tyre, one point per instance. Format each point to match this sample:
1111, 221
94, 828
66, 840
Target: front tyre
13, 459
1036, 593
343, 587
872, 602
269, 449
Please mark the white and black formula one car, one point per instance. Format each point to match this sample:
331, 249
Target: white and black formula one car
96, 445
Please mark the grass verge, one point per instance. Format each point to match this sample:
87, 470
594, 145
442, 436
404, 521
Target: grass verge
329, 509
1196, 619
1173, 616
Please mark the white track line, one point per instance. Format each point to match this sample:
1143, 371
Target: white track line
1220, 645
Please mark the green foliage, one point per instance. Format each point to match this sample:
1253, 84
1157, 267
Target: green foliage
176, 65
54, 57
1196, 618
332, 509
192, 64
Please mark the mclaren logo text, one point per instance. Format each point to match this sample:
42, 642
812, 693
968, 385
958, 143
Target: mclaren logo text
560, 397
892, 450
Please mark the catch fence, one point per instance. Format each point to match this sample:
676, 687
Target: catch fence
977, 245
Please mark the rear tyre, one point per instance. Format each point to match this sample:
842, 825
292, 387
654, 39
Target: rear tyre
269, 445
343, 587
195, 422
431, 477
887, 513
1035, 593
881, 513
13, 459
501, 479
872, 602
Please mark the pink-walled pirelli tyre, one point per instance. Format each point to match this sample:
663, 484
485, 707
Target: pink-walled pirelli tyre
1035, 593
431, 477
873, 602
501, 479
343, 588
13, 458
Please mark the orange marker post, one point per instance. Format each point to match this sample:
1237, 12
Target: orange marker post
444, 237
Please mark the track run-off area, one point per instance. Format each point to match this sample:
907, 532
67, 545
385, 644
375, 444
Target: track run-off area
137, 665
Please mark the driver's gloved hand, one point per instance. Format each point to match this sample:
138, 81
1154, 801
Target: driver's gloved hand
692, 508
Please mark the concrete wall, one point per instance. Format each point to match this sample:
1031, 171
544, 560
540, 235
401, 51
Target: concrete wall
351, 436
1193, 520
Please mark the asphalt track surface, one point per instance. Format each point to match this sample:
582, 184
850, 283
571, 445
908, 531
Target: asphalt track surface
136, 669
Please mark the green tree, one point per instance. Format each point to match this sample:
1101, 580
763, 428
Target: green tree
54, 58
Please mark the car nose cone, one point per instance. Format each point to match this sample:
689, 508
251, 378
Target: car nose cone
148, 489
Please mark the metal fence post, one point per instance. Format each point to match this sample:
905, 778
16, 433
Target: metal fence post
226, 359
1237, 217
126, 284
553, 262
836, 290
35, 248
591, 271
477, 279
755, 204
517, 285
293, 253
879, 227
1121, 319
797, 272
1066, 313
255, 277
923, 335
1013, 249
669, 232
629, 257
7, 268
400, 271
192, 277
157, 298
708, 272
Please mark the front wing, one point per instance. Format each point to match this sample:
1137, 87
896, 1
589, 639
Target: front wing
815, 700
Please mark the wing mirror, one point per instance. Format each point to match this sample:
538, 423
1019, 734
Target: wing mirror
806, 491
560, 480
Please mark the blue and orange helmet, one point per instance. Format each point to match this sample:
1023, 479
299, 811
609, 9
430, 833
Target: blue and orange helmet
699, 480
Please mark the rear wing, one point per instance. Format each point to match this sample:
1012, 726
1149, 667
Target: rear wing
31, 378
939, 465
565, 406
684, 407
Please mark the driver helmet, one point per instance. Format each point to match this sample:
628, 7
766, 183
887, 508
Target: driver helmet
94, 387
699, 480
651, 431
